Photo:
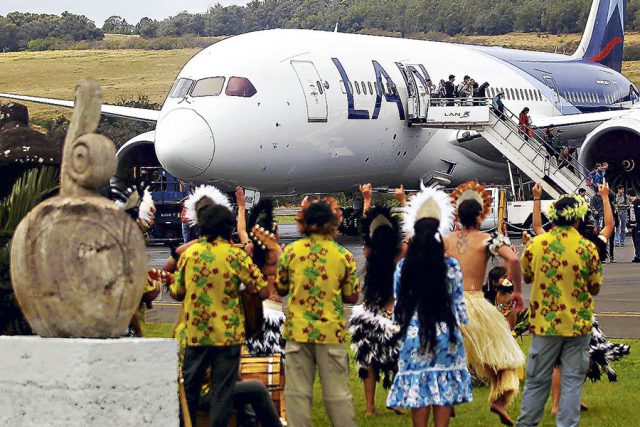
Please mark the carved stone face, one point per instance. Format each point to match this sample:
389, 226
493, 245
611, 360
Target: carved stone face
81, 268
78, 262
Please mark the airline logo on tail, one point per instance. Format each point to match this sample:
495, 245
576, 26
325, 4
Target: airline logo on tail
603, 39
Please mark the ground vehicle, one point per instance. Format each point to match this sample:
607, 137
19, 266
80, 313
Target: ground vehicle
167, 192
517, 215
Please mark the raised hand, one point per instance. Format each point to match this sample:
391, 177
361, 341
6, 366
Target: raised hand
400, 195
240, 198
537, 190
366, 190
603, 190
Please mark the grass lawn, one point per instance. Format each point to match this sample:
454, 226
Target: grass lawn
610, 404
122, 73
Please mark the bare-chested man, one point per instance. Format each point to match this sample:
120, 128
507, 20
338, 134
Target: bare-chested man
491, 349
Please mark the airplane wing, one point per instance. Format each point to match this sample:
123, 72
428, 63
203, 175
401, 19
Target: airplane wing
139, 114
579, 119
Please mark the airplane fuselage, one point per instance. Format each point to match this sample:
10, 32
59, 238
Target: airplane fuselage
325, 111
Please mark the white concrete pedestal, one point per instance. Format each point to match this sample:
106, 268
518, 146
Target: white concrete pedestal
88, 382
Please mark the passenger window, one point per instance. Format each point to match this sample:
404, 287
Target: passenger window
526, 94
342, 87
512, 94
357, 87
351, 87
517, 95
364, 88
370, 88
240, 86
211, 86
181, 88
320, 87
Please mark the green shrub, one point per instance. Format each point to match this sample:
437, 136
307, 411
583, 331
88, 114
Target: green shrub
49, 43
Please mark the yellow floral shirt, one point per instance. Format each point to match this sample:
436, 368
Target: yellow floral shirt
561, 264
210, 275
316, 272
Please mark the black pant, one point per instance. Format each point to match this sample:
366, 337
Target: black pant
635, 235
256, 395
252, 402
612, 247
224, 363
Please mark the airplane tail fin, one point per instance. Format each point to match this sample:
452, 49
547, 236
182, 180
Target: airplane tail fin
603, 38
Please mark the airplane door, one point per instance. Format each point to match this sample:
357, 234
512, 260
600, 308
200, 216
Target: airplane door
423, 94
312, 87
418, 94
551, 83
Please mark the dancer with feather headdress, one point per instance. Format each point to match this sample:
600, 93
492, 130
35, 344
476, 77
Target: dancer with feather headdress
375, 337
492, 351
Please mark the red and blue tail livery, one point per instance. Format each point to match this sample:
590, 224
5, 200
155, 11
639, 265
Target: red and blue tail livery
603, 39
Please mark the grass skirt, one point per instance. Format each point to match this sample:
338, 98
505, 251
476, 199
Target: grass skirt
492, 352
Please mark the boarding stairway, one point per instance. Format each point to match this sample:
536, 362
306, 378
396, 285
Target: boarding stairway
534, 157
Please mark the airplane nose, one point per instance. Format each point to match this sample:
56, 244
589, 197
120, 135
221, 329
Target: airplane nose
184, 143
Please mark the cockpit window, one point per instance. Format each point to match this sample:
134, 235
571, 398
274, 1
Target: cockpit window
240, 86
181, 88
211, 86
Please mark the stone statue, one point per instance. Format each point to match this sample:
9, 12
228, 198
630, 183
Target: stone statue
78, 262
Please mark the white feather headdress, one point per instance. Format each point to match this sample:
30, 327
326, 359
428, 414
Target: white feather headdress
147, 206
208, 191
429, 203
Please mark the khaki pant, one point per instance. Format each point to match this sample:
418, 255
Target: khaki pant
332, 361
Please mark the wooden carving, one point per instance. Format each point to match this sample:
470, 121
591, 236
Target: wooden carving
78, 262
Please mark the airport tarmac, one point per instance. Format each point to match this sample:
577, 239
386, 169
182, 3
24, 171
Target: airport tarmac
617, 306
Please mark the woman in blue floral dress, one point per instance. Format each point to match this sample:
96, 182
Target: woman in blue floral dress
432, 370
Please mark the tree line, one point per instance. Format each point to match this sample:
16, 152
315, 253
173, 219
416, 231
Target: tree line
19, 31
453, 17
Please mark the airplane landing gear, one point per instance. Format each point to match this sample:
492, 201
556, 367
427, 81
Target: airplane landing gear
351, 219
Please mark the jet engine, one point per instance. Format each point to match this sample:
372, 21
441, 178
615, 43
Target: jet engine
616, 142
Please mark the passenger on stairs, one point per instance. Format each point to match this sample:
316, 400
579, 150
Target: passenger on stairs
498, 106
524, 124
442, 91
481, 93
450, 91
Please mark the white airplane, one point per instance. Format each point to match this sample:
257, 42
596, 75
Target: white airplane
292, 111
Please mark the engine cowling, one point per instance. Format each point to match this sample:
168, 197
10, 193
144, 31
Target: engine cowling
138, 151
616, 142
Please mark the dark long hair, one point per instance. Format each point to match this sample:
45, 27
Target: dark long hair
423, 286
384, 247
589, 230
214, 220
262, 215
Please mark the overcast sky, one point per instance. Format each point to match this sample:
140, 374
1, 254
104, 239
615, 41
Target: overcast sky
98, 10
